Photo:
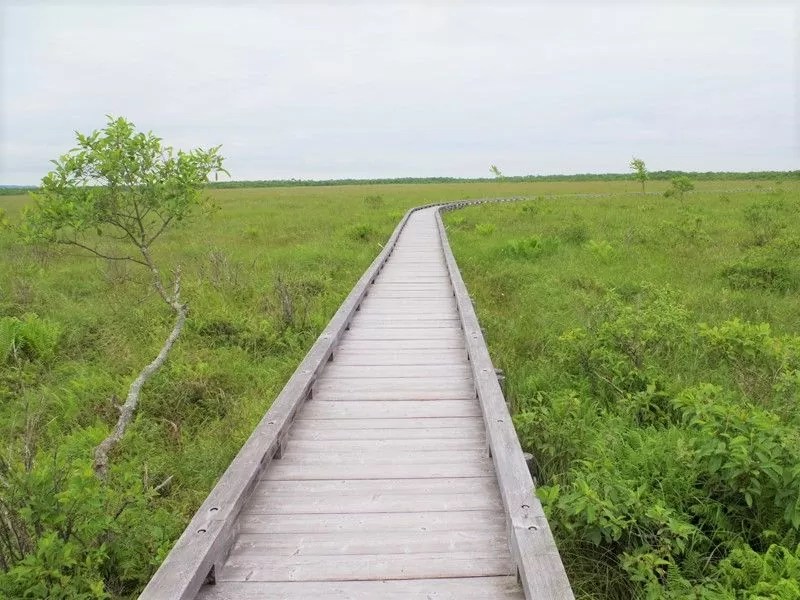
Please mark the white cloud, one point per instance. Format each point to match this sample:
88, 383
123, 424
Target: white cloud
392, 90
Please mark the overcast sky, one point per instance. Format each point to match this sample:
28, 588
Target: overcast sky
382, 90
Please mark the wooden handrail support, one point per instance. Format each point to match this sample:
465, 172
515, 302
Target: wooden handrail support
204, 545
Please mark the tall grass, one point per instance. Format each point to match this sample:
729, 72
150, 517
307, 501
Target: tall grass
652, 354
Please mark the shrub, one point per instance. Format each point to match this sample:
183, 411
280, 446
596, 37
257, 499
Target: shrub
576, 232
600, 249
361, 232
747, 460
30, 337
679, 186
530, 247
774, 575
765, 221
485, 229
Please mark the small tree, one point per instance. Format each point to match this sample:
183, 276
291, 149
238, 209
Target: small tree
495, 171
114, 196
679, 186
639, 171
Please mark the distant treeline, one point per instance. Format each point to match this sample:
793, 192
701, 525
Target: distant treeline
654, 175
13, 190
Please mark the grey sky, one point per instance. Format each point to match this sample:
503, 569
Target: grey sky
382, 90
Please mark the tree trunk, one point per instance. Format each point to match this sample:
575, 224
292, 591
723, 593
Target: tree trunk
127, 410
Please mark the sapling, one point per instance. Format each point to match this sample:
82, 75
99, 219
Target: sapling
113, 197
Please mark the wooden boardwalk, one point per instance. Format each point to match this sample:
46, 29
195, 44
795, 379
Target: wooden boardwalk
384, 482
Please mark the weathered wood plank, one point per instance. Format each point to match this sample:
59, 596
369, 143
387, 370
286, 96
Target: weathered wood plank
467, 434
281, 470
396, 356
425, 457
380, 502
466, 424
459, 369
421, 294
389, 409
472, 588
250, 546
398, 276
455, 520
429, 344
378, 305
408, 286
367, 567
349, 487
378, 322
390, 445
453, 383
401, 388
416, 333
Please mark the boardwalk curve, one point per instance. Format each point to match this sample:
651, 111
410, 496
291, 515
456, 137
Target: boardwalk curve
388, 467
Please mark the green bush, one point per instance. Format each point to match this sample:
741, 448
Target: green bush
576, 233
529, 248
485, 229
361, 232
29, 338
766, 220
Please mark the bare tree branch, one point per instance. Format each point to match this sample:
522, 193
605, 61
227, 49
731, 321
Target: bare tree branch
100, 254
128, 409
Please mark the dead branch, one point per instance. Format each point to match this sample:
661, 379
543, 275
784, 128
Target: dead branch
131, 402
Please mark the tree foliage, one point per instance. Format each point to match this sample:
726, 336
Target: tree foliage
114, 195
120, 184
679, 186
639, 171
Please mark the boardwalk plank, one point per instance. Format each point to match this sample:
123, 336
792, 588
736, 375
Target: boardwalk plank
490, 521
423, 457
249, 546
422, 434
366, 502
364, 567
362, 332
336, 371
280, 470
472, 588
380, 445
389, 409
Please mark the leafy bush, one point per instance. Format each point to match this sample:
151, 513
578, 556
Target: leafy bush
529, 248
29, 338
765, 221
485, 229
77, 537
761, 274
600, 249
679, 186
577, 232
361, 232
774, 575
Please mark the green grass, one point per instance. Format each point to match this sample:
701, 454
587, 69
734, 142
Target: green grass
652, 354
263, 275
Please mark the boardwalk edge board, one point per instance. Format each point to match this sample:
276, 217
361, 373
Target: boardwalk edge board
540, 570
202, 549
